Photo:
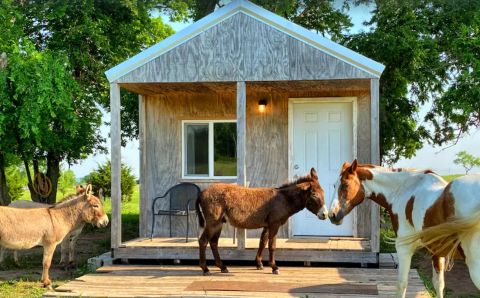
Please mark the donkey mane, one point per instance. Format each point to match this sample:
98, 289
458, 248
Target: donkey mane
303, 179
63, 202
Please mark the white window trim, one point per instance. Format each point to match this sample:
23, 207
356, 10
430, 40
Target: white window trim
210, 150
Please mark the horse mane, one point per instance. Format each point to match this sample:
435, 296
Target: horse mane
303, 179
398, 170
65, 200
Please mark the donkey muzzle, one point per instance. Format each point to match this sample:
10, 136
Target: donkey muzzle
323, 213
102, 223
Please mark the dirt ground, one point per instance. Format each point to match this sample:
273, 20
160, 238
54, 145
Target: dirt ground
457, 281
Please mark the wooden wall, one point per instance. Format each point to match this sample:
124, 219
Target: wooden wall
242, 48
266, 152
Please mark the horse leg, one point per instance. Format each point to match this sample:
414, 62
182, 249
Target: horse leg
438, 275
48, 250
15, 258
207, 234
261, 248
2, 257
214, 247
405, 253
63, 250
472, 256
272, 245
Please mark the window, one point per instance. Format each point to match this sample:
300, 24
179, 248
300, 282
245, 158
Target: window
209, 149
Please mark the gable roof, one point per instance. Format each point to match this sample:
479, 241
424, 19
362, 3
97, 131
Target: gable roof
243, 6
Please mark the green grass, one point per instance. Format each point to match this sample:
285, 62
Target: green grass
449, 178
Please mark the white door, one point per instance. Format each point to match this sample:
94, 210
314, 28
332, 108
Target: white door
322, 137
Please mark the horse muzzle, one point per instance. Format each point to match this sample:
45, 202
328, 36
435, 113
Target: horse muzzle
336, 218
103, 222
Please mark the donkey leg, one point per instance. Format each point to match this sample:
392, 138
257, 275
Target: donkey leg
64, 250
272, 245
71, 256
214, 247
2, 257
261, 248
207, 234
15, 258
405, 253
48, 250
438, 264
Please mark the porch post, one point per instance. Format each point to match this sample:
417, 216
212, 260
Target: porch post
375, 158
241, 139
116, 154
143, 166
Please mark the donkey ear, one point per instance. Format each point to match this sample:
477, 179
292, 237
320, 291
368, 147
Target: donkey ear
88, 191
305, 186
353, 167
313, 173
79, 189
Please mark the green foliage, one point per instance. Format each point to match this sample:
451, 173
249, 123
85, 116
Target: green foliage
430, 50
467, 161
67, 181
15, 183
101, 177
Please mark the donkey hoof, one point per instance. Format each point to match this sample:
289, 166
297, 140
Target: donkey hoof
206, 273
260, 267
276, 271
225, 270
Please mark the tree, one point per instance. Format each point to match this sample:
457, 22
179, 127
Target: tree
431, 51
101, 178
67, 181
14, 182
467, 161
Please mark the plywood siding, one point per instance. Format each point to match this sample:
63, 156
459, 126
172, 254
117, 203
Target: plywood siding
266, 145
242, 48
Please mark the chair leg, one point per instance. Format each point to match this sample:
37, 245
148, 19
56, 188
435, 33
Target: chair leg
188, 217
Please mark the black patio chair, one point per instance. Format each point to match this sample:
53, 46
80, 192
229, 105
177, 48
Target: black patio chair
182, 203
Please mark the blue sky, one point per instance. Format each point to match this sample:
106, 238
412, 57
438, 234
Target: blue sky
436, 159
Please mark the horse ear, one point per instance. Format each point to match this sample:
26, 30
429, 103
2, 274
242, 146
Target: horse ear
88, 191
313, 173
345, 166
353, 167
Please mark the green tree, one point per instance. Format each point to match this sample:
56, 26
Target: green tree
14, 182
67, 181
101, 178
467, 161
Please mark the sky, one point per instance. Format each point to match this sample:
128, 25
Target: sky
439, 159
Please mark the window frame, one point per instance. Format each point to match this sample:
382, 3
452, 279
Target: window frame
210, 150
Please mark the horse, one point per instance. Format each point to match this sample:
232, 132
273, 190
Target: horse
424, 209
68, 243
48, 226
253, 208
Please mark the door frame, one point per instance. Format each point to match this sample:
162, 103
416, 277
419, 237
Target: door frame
300, 100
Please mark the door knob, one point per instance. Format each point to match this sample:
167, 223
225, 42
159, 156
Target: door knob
296, 167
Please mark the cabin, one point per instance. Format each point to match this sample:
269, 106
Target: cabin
244, 96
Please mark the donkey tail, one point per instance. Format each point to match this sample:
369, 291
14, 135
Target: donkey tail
445, 238
201, 220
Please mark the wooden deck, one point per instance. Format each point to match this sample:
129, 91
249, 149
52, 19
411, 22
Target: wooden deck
341, 250
128, 281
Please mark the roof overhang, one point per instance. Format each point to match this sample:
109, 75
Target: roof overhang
259, 13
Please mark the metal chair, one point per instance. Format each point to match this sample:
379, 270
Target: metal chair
181, 197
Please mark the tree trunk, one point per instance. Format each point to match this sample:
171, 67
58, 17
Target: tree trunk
4, 196
53, 172
33, 195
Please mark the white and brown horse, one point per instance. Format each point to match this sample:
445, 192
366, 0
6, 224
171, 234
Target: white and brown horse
425, 210
47, 227
68, 243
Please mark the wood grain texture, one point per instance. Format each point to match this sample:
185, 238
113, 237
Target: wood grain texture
143, 166
266, 153
241, 151
242, 48
375, 135
116, 155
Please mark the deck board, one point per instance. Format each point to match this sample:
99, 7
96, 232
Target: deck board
128, 281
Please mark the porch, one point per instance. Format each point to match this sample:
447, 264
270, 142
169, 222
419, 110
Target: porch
182, 281
333, 250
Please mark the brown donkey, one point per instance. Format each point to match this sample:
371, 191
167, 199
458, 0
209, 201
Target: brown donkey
253, 208
26, 228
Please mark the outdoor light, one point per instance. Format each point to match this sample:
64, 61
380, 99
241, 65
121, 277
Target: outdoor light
261, 105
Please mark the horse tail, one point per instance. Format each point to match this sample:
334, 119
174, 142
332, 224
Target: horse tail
201, 220
444, 239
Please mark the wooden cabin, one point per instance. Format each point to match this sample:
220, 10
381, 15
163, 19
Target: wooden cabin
286, 99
